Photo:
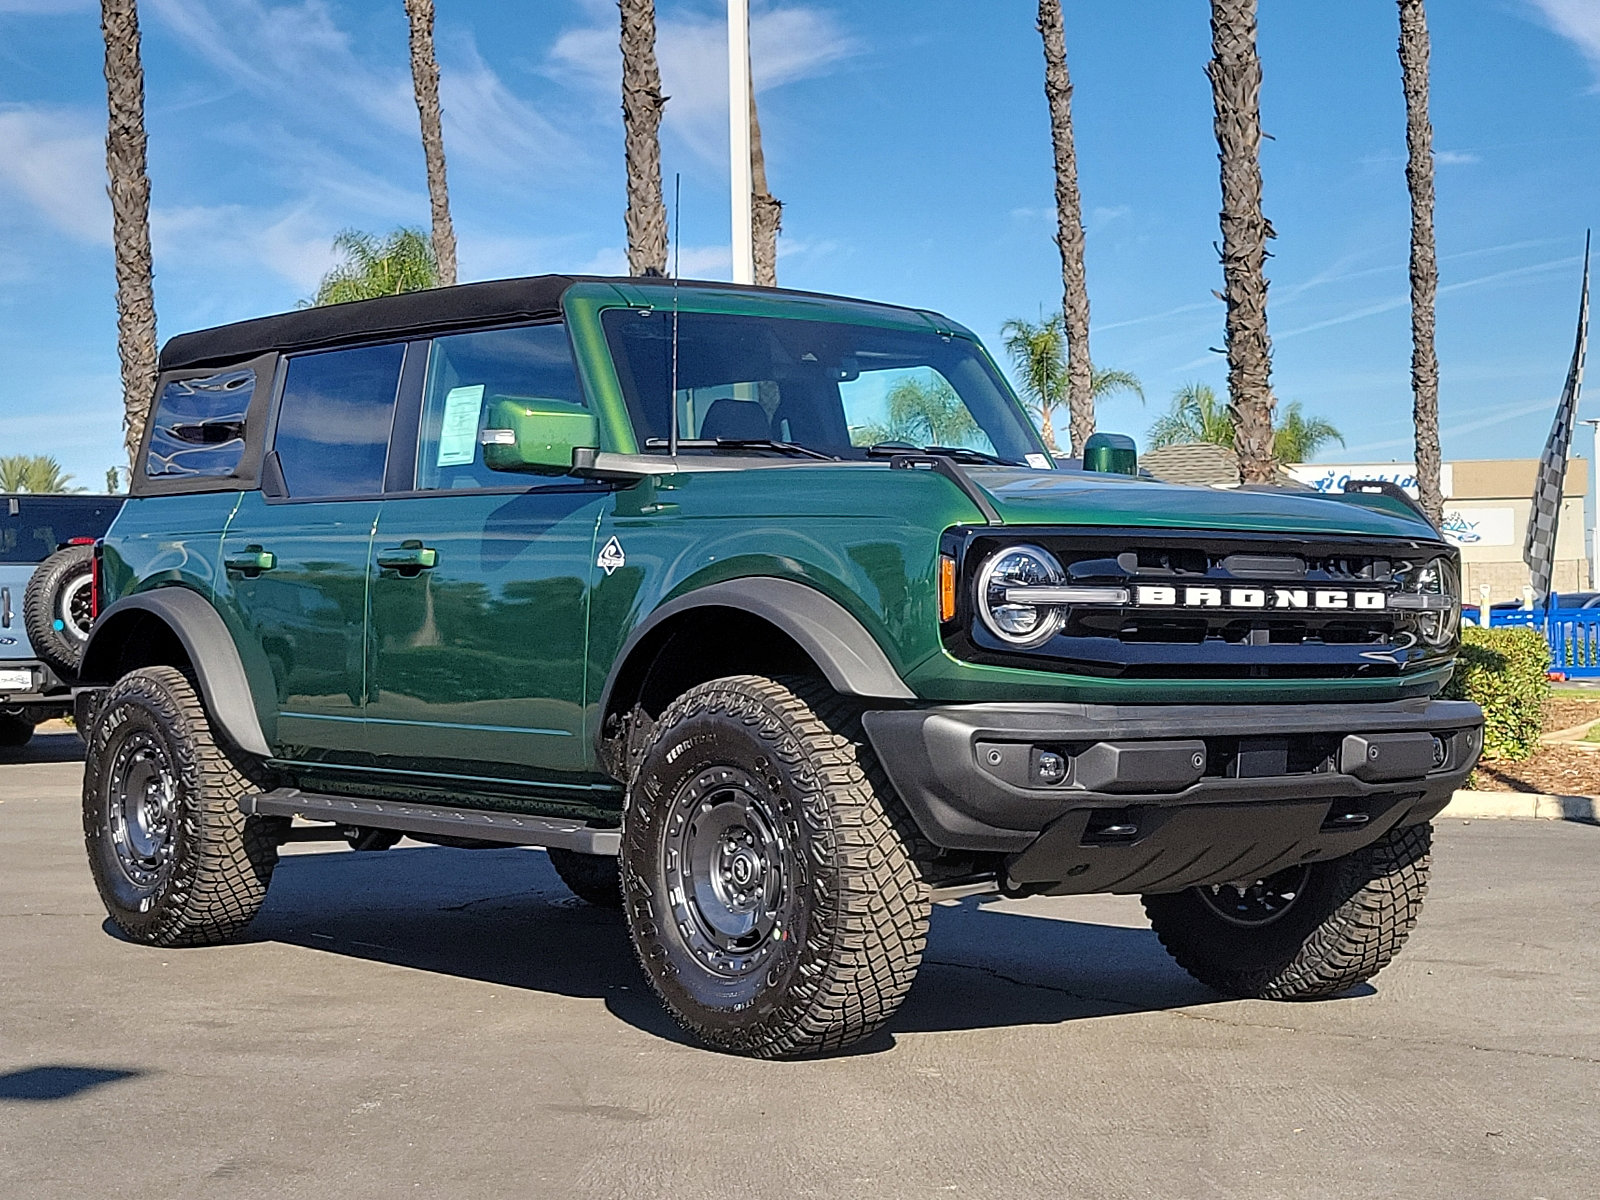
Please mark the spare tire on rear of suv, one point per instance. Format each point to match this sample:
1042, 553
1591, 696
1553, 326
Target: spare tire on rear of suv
56, 609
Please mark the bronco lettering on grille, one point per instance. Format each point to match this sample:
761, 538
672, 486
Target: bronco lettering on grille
1270, 598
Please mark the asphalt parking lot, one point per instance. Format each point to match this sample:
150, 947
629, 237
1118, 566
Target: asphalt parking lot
432, 1022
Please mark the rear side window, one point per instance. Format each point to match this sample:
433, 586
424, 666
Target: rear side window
199, 425
334, 420
31, 527
467, 373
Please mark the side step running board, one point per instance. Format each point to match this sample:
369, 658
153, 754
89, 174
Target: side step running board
511, 828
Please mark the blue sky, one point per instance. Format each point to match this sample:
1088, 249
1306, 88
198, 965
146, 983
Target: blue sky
909, 141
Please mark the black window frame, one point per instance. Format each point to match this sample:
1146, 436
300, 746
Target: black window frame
260, 416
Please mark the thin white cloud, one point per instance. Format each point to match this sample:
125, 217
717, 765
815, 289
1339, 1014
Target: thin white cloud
786, 44
1576, 20
1455, 158
54, 159
295, 244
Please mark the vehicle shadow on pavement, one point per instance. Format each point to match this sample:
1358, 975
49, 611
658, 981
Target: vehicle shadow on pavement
503, 917
61, 747
58, 1081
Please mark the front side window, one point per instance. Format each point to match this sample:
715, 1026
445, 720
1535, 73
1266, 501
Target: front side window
199, 424
334, 420
838, 389
467, 373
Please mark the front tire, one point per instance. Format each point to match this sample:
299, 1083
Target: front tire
175, 861
768, 877
1311, 931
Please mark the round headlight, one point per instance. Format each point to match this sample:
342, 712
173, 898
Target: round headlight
1438, 577
1017, 623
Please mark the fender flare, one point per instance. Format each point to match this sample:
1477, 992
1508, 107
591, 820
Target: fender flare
848, 655
218, 669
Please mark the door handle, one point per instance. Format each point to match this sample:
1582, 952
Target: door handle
413, 556
250, 561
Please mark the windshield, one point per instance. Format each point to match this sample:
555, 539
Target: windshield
832, 388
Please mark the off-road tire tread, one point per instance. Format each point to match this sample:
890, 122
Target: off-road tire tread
214, 892
879, 928
54, 647
1382, 887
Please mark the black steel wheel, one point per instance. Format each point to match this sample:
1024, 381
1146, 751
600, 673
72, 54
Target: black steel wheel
56, 608
175, 861
1310, 931
768, 873
592, 878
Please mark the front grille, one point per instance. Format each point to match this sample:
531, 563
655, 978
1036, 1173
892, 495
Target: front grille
1282, 634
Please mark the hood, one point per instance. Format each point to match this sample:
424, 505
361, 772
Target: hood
1025, 497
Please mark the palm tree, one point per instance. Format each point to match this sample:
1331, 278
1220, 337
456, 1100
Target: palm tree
766, 209
33, 473
1424, 266
1039, 354
130, 215
1196, 415
401, 262
923, 413
1199, 415
425, 82
1297, 437
1235, 72
642, 103
1069, 226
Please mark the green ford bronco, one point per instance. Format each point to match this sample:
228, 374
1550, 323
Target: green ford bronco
768, 615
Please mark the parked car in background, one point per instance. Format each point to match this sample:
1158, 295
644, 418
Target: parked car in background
45, 556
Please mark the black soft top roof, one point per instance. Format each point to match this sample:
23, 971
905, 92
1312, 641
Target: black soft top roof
408, 314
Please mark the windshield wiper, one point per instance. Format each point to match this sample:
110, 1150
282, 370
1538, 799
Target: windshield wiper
741, 444
959, 453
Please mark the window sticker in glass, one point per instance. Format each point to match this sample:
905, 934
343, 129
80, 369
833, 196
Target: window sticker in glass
199, 425
458, 434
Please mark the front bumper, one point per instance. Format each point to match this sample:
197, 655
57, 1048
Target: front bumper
1157, 798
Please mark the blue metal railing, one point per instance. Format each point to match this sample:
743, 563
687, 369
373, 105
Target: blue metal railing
1573, 634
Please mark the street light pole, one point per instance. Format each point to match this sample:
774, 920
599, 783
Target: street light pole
742, 185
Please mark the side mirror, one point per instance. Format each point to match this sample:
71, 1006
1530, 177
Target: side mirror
526, 433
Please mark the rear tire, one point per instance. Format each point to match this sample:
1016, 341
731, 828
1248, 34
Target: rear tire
768, 874
593, 878
1305, 933
176, 862
16, 730
56, 609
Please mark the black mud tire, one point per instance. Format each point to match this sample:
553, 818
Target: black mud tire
55, 609
16, 730
593, 878
182, 866
1346, 922
841, 921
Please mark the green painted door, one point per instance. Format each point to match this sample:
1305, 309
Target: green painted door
294, 586
480, 582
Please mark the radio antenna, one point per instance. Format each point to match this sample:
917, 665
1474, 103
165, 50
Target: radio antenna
677, 249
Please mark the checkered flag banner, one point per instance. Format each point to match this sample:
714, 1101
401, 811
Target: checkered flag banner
1539, 551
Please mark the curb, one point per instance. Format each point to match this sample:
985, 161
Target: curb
1524, 805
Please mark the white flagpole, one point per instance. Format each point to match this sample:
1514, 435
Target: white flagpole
744, 238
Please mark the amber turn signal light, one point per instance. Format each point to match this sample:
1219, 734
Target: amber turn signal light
947, 588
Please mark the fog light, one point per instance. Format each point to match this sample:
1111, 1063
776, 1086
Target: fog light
1439, 752
1049, 767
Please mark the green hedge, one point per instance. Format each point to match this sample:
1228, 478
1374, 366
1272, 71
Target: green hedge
1506, 671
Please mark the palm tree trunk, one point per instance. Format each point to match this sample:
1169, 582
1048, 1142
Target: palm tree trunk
425, 81
642, 103
130, 215
767, 208
1424, 266
1069, 227
1235, 71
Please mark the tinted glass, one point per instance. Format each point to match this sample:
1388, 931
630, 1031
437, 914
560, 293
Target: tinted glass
334, 420
832, 387
198, 428
31, 527
467, 373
